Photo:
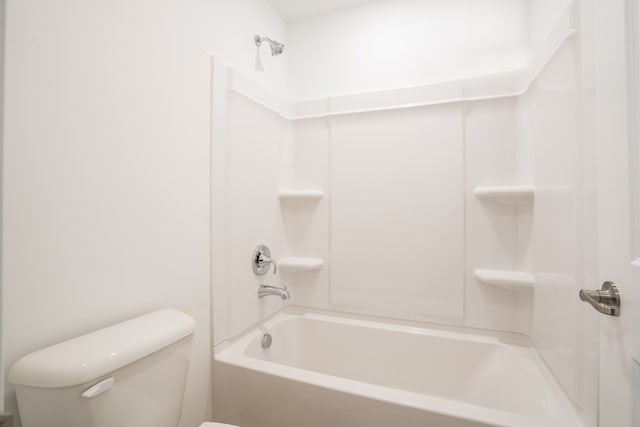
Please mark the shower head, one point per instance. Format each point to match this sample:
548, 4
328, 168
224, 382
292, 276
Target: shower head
276, 47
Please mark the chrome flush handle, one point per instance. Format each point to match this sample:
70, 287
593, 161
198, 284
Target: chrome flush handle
606, 300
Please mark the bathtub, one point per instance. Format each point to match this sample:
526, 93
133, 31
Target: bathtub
329, 369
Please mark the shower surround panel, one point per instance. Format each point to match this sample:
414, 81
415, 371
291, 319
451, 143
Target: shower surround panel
397, 211
399, 229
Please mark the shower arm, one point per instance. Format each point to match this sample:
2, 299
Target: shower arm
259, 40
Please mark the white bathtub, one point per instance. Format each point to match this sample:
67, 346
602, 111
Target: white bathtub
329, 369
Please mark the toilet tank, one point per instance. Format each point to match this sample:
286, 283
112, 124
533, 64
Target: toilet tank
131, 374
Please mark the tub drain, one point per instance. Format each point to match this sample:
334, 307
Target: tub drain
266, 340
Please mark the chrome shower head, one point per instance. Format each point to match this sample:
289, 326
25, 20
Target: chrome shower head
276, 47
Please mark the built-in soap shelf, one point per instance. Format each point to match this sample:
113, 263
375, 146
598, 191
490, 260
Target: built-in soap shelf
519, 281
297, 198
299, 265
513, 195
300, 195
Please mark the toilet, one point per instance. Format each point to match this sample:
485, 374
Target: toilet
131, 374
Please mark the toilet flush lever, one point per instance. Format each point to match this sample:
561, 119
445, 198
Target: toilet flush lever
99, 388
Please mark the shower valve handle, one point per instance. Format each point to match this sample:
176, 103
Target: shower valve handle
261, 261
269, 260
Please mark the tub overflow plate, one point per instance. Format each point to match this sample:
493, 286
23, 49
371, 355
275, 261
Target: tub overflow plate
266, 340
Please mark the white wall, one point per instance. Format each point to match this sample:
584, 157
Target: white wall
402, 43
224, 26
106, 166
3, 8
542, 16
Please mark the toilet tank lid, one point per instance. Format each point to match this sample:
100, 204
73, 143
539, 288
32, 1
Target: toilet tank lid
91, 356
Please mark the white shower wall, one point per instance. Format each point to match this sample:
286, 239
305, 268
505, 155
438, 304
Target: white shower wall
399, 228
397, 211
412, 258
252, 158
384, 45
378, 271
374, 270
559, 238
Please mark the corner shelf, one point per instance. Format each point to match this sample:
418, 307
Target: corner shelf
300, 195
512, 280
298, 265
512, 195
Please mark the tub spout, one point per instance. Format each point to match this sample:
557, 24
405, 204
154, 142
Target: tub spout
265, 290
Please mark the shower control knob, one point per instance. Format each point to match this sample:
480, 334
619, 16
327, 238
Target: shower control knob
261, 261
